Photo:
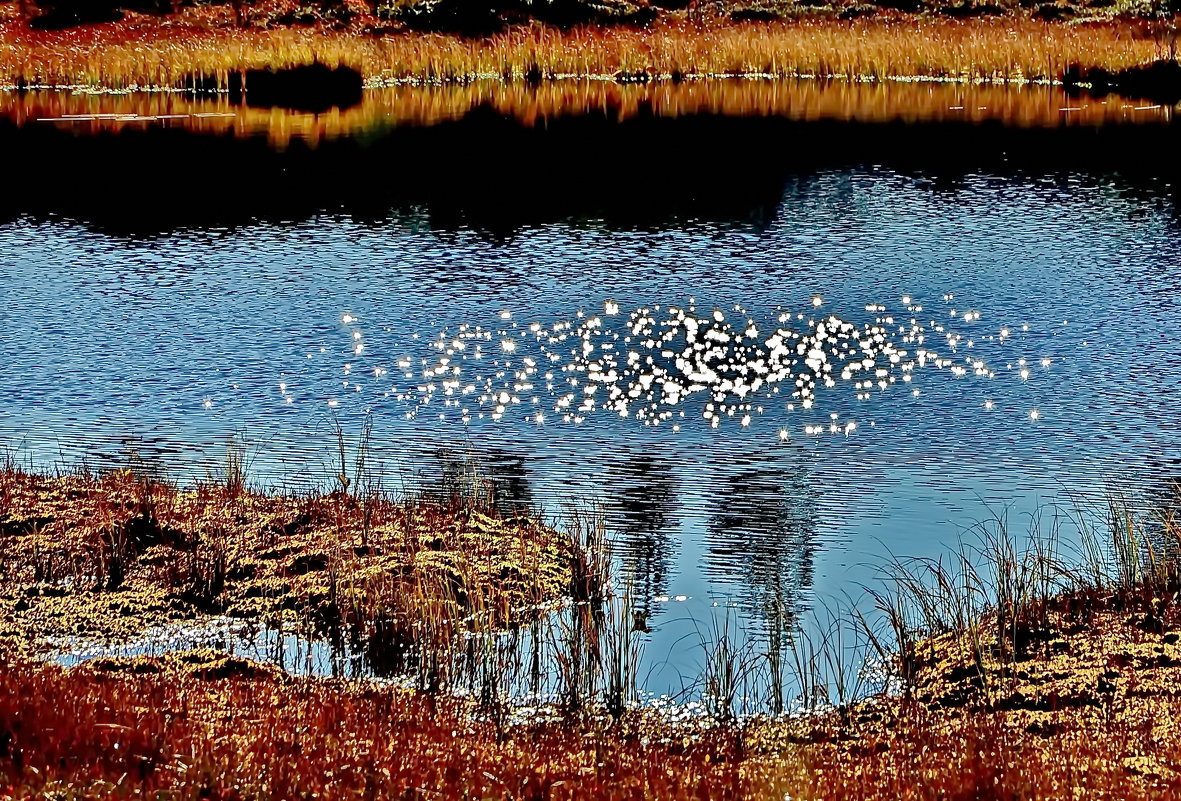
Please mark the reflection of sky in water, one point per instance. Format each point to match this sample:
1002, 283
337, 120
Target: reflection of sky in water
166, 346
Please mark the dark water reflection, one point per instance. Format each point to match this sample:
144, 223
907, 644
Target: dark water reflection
641, 503
762, 534
165, 290
489, 475
497, 159
381, 110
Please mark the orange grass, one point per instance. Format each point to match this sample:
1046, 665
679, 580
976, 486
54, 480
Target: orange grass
144, 51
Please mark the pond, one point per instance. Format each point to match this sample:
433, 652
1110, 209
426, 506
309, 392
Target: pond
775, 334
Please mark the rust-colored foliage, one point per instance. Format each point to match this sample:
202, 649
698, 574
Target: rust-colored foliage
146, 51
104, 733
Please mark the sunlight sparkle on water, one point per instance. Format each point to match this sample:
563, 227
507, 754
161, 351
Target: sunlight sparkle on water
652, 364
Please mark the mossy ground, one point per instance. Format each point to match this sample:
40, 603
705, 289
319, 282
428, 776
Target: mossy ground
1087, 705
106, 557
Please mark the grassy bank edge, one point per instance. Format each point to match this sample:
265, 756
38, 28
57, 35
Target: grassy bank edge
119, 56
1031, 666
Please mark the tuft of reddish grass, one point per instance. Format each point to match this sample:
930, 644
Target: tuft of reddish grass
98, 734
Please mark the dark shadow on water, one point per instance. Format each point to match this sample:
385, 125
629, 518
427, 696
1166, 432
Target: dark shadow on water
762, 538
489, 475
488, 173
640, 496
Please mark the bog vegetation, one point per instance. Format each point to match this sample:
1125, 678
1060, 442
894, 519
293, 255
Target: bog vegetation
1031, 664
436, 41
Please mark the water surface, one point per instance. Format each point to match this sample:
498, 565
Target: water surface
1046, 301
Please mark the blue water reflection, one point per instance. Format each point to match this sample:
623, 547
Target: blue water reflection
163, 348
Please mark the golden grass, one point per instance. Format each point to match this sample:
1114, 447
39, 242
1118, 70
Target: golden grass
145, 52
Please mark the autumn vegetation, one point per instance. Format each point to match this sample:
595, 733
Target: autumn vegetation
1012, 42
107, 556
1025, 667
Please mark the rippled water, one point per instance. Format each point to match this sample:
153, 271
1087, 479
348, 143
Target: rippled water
880, 360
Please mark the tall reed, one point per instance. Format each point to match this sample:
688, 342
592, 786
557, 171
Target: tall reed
168, 55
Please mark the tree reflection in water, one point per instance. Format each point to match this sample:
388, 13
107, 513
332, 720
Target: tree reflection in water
492, 475
761, 538
640, 502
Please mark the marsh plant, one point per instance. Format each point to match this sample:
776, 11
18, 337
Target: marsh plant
1002, 50
453, 596
998, 592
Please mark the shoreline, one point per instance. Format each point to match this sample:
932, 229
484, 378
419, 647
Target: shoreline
111, 557
1092, 710
1023, 672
